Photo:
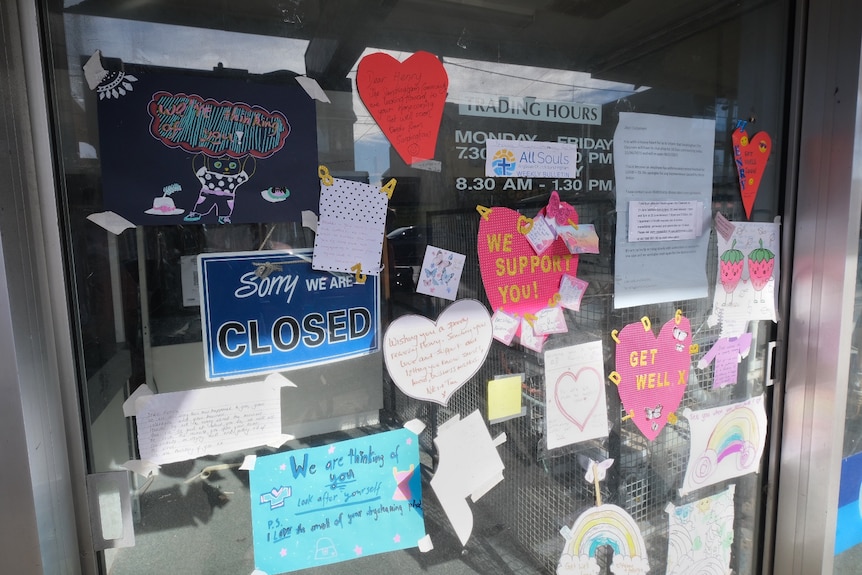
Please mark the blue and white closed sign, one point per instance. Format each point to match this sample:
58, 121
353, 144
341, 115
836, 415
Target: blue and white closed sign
268, 311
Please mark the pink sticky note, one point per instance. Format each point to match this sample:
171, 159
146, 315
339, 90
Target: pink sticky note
723, 226
582, 240
541, 235
504, 326
530, 339
549, 321
572, 291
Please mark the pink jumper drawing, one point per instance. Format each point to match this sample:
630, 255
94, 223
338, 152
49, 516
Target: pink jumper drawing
727, 353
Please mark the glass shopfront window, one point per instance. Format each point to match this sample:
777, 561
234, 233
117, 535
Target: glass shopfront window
847, 533
345, 218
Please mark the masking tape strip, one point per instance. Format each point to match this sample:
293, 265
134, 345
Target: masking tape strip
279, 441
142, 467
415, 425
313, 89
425, 545
427, 165
278, 380
499, 440
112, 222
129, 409
94, 72
309, 220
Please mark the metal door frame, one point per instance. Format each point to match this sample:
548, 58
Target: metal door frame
45, 524
824, 169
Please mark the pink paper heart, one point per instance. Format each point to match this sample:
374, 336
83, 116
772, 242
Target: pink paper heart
515, 277
577, 395
406, 99
653, 372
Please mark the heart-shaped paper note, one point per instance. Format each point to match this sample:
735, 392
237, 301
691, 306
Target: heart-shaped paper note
653, 371
751, 155
431, 360
577, 395
405, 99
515, 277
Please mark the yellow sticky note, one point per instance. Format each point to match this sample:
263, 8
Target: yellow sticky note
504, 397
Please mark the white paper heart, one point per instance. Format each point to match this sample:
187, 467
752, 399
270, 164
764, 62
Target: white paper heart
431, 360
577, 395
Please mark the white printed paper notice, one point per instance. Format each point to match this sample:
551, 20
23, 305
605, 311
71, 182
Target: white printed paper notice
662, 159
665, 221
512, 159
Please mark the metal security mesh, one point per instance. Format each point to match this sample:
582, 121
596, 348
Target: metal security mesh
545, 490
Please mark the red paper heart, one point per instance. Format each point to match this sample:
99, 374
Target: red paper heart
405, 99
515, 277
751, 155
653, 372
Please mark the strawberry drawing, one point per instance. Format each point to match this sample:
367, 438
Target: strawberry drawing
761, 263
730, 269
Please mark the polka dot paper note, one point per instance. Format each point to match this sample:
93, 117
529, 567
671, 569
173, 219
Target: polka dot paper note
351, 227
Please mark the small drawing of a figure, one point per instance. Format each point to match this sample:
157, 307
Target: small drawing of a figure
761, 265
653, 414
402, 484
220, 178
730, 265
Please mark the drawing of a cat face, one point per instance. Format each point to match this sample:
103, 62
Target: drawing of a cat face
224, 166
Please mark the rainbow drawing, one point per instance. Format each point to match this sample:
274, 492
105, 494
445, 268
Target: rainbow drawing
736, 430
736, 433
597, 527
726, 442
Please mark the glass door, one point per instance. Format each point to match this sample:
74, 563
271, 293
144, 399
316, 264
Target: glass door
575, 285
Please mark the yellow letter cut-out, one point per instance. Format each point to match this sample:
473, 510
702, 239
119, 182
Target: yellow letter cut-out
525, 224
389, 188
325, 176
360, 277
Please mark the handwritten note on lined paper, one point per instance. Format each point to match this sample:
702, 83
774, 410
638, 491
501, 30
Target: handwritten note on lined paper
188, 424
